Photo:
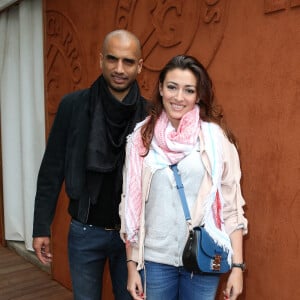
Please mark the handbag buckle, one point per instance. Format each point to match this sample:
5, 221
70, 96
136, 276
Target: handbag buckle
216, 263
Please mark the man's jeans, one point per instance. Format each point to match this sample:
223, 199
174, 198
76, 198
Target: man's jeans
89, 247
164, 282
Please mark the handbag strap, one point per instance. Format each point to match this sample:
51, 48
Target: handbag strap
180, 189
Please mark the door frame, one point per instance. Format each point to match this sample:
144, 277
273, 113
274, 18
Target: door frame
2, 230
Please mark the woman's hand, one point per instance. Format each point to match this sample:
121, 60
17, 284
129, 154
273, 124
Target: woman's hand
234, 286
134, 282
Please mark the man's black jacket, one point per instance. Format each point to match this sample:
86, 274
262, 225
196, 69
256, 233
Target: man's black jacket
65, 159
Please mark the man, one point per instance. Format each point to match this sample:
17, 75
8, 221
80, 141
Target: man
86, 148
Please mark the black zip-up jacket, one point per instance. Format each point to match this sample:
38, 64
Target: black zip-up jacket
65, 160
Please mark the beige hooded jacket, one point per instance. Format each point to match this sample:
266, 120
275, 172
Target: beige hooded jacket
233, 213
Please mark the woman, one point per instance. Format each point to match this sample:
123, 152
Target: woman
182, 125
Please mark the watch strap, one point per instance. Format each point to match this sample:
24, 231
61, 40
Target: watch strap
241, 266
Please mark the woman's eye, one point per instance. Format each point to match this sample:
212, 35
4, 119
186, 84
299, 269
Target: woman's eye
171, 87
190, 91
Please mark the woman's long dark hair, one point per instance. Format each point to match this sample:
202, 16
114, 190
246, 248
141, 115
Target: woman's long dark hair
209, 110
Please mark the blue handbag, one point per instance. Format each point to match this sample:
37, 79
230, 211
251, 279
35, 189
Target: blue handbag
201, 253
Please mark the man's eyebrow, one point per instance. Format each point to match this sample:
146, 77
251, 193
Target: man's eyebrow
109, 56
129, 60
126, 59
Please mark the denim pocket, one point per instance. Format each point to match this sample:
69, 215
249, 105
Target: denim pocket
78, 229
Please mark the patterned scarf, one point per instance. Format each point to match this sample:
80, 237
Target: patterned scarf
111, 121
169, 146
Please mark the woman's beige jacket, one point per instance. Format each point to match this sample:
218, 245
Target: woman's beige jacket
233, 213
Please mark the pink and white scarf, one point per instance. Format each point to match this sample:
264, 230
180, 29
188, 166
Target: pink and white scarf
169, 146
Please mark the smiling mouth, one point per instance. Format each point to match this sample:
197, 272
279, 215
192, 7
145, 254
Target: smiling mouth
177, 107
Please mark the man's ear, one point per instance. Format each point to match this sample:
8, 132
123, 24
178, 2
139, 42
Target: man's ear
140, 65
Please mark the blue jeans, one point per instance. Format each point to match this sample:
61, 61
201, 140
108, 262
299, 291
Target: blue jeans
175, 283
89, 247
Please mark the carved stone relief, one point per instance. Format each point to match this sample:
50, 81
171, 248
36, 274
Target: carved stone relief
64, 57
167, 28
271, 6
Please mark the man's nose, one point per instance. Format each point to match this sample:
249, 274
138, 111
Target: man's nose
120, 68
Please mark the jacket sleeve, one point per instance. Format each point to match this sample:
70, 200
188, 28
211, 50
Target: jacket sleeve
124, 185
51, 172
136, 253
233, 212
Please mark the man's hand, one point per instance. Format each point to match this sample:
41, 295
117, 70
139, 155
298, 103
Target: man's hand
41, 246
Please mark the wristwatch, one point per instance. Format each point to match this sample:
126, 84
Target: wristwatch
241, 266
